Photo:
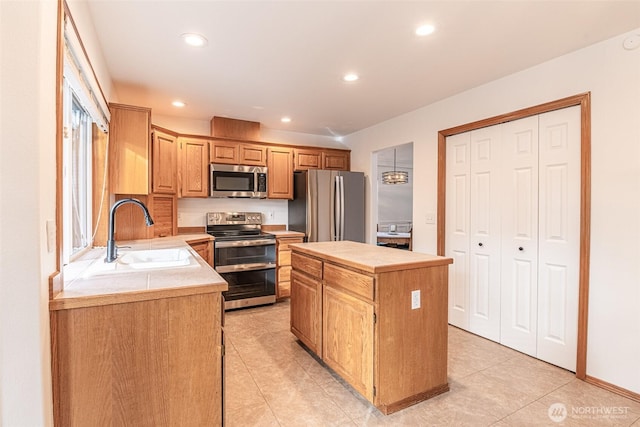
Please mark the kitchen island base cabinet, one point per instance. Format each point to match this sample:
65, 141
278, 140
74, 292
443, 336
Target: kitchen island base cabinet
149, 363
383, 319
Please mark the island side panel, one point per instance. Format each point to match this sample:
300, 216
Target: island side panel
412, 343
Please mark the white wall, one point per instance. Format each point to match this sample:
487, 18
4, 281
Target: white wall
612, 74
27, 189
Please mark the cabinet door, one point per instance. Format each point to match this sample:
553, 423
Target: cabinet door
194, 169
253, 155
280, 176
306, 310
225, 152
204, 249
305, 159
164, 211
165, 163
336, 160
347, 339
129, 133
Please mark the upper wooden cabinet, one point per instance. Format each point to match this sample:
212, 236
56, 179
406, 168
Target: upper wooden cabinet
307, 159
194, 167
225, 152
238, 153
164, 149
280, 176
129, 134
252, 154
336, 160
320, 158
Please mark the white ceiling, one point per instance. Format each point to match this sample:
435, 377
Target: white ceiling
266, 59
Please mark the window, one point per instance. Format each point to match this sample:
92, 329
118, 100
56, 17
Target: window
84, 112
76, 174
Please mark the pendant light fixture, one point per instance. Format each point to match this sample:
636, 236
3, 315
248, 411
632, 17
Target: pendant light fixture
395, 176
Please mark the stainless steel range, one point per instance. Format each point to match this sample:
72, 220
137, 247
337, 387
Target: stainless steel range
245, 257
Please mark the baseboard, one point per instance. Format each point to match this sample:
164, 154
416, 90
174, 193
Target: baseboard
613, 388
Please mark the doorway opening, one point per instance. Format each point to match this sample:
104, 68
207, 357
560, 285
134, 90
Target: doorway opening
393, 203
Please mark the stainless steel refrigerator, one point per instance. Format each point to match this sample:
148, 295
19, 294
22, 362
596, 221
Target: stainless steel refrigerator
328, 205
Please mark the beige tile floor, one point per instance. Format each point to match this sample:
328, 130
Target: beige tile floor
270, 380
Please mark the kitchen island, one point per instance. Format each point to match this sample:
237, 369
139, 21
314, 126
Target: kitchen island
377, 316
139, 341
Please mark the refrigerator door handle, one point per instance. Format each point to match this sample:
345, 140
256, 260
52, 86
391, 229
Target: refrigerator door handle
312, 208
335, 209
341, 207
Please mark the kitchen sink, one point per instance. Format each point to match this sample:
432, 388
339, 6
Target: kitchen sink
143, 260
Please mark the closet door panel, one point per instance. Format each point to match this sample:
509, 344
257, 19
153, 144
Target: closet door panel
519, 234
457, 227
559, 241
484, 249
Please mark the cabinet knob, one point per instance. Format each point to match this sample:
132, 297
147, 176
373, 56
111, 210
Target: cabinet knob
521, 248
480, 244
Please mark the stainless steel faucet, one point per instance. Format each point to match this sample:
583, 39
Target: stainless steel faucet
112, 250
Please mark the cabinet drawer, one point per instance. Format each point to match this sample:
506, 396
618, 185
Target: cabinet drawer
284, 274
308, 265
284, 289
356, 283
284, 258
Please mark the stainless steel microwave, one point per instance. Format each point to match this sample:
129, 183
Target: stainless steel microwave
238, 181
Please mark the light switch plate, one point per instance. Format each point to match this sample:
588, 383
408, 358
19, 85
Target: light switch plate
430, 218
415, 299
51, 235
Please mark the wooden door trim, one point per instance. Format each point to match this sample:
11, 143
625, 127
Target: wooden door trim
584, 101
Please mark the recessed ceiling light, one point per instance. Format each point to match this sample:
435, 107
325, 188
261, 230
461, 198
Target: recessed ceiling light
425, 30
286, 120
178, 104
193, 39
350, 77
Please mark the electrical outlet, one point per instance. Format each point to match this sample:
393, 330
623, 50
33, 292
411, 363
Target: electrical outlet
415, 299
270, 215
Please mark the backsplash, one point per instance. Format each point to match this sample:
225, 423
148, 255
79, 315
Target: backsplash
192, 211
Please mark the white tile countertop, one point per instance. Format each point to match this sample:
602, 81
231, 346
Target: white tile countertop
83, 290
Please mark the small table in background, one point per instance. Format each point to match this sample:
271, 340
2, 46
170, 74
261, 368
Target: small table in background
400, 240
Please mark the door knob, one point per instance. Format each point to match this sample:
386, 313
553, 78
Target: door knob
480, 244
521, 248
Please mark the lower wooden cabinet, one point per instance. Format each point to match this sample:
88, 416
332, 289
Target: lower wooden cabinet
306, 310
348, 350
283, 265
204, 248
148, 363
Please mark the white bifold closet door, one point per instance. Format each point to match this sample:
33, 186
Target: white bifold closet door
519, 284
512, 229
457, 227
559, 236
484, 225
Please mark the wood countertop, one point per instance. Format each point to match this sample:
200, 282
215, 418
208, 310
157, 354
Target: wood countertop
285, 233
369, 258
82, 290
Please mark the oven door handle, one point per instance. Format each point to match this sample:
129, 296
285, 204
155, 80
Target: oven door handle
244, 243
235, 268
